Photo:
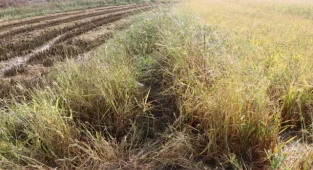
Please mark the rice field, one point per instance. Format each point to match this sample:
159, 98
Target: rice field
195, 84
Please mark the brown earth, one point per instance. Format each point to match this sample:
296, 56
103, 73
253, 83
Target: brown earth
29, 47
20, 23
21, 41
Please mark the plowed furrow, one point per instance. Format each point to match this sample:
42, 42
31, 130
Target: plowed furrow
51, 17
56, 22
99, 23
23, 48
70, 47
66, 46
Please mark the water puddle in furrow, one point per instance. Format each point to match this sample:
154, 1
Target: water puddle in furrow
20, 60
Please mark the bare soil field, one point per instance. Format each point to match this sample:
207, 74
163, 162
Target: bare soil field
28, 47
